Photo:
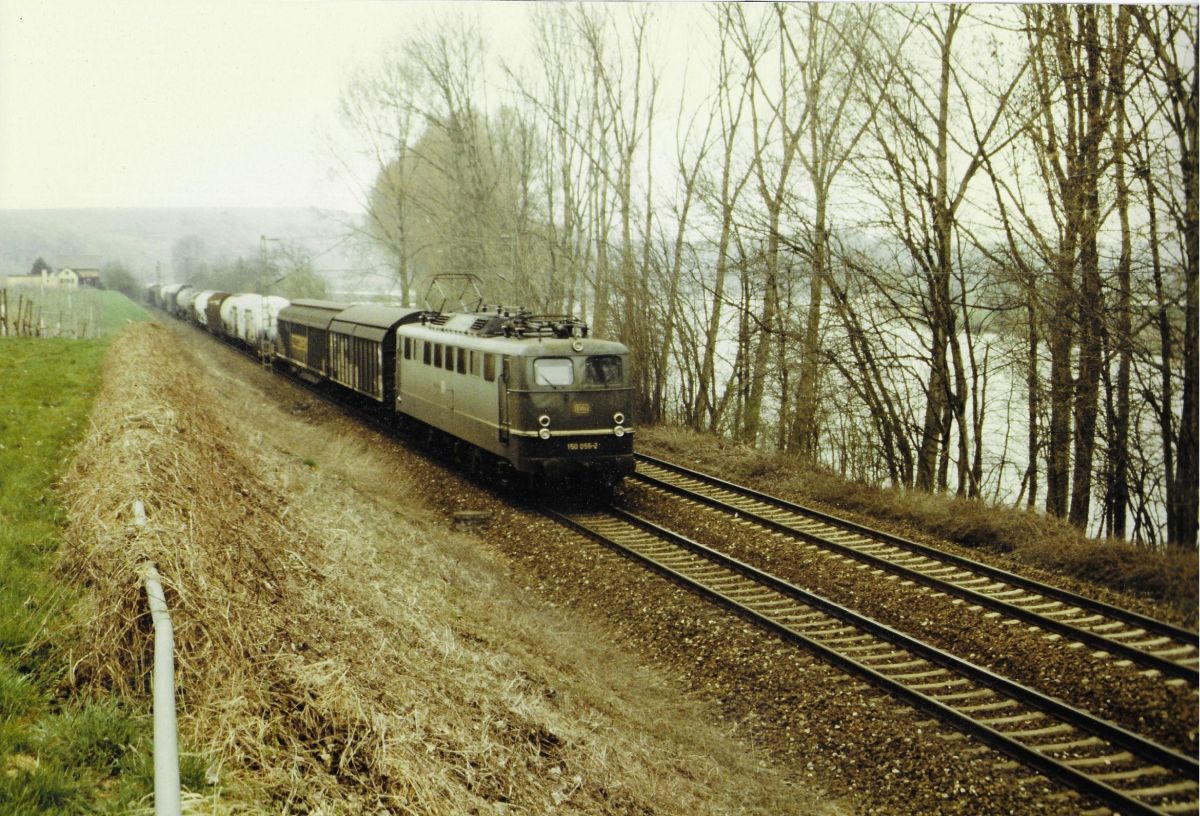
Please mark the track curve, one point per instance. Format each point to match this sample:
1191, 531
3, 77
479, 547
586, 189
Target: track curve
1156, 645
1103, 761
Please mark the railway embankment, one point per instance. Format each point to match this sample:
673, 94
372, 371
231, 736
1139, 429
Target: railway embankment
339, 648
1160, 583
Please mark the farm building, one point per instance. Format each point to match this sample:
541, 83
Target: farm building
71, 276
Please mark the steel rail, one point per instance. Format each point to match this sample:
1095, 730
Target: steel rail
1025, 754
1096, 640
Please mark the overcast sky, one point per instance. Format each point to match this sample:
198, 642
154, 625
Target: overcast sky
108, 103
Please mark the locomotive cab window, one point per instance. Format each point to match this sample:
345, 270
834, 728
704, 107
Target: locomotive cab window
407, 348
603, 370
553, 371
489, 367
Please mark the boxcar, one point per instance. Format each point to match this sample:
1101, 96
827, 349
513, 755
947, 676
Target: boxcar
303, 341
362, 349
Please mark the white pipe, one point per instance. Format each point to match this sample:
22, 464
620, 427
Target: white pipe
167, 800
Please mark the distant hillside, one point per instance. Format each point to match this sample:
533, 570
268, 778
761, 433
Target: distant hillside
142, 239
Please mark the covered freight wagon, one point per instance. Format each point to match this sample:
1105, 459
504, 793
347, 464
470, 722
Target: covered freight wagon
303, 339
362, 349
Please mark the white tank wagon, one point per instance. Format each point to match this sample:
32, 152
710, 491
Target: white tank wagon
182, 305
251, 318
235, 311
200, 307
272, 306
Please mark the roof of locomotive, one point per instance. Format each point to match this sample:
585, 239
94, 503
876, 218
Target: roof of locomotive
528, 345
495, 321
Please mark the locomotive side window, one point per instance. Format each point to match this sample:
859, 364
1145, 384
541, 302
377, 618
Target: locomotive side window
473, 363
603, 370
437, 355
489, 367
425, 349
462, 361
407, 348
553, 371
448, 361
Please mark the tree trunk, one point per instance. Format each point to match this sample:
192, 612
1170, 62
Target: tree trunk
1091, 306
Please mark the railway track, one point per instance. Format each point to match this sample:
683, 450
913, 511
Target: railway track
1161, 647
1120, 770
1116, 768
1158, 647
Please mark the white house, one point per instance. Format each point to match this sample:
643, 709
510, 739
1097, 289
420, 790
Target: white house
72, 276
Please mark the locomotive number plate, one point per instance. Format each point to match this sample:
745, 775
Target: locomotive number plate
580, 446
581, 408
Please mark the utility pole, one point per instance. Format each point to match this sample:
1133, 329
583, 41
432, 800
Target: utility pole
263, 277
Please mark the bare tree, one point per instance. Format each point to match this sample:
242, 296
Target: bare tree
723, 195
1170, 34
920, 147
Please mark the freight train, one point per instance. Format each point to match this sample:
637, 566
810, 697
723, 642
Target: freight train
506, 392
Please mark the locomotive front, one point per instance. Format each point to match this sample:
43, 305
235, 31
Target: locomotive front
568, 409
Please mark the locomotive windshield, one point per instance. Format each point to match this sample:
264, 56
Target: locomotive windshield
602, 370
553, 371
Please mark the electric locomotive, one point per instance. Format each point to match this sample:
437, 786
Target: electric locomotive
533, 393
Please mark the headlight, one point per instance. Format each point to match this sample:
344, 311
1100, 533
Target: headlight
544, 421
618, 431
544, 433
619, 418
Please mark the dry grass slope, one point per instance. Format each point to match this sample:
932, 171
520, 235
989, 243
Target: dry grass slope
329, 667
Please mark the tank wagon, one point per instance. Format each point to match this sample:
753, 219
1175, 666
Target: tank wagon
181, 306
200, 306
250, 318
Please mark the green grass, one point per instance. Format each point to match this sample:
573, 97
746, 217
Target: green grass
57, 755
